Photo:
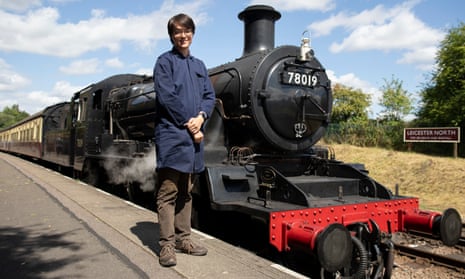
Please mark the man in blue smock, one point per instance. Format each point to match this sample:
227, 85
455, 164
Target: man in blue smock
185, 99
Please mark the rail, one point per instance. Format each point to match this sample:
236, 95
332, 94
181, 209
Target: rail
418, 245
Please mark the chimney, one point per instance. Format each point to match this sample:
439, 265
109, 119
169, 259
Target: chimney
258, 27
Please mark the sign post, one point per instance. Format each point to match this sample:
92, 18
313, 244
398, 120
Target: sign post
437, 134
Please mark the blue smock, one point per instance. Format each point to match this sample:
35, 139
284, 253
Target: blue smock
183, 89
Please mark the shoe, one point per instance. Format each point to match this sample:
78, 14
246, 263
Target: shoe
189, 247
167, 256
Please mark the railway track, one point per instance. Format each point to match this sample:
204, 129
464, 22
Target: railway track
426, 250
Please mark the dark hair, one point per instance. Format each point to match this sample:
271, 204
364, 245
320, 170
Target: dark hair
183, 20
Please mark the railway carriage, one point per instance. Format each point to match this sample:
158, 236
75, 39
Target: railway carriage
27, 136
273, 106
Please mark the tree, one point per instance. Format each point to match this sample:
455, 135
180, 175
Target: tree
443, 99
10, 116
349, 104
395, 100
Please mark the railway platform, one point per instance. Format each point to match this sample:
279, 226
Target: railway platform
52, 226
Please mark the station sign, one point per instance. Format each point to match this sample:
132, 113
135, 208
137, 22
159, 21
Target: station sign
443, 134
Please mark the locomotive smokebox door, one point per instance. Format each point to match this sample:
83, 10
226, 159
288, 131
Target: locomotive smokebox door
292, 104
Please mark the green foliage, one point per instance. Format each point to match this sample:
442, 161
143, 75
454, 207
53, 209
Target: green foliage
350, 123
443, 99
349, 104
11, 115
367, 134
395, 100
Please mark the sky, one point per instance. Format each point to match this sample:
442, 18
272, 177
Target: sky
50, 49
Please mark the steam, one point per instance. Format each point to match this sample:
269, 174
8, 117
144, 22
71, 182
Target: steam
140, 170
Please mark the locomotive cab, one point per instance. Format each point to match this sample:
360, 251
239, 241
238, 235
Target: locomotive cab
109, 133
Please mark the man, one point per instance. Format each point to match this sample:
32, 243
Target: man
185, 98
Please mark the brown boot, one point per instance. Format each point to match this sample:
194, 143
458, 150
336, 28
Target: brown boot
189, 247
167, 256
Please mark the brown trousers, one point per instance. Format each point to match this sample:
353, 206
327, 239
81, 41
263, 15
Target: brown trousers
174, 205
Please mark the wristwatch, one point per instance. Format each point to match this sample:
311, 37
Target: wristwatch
203, 114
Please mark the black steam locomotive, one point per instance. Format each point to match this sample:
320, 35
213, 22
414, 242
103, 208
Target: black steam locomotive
273, 105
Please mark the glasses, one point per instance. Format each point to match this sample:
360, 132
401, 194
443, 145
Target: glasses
179, 32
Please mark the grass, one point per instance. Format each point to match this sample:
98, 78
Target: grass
437, 181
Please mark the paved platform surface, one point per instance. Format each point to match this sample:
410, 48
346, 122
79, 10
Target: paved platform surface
52, 226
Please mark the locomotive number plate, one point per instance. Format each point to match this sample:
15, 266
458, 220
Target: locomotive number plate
301, 79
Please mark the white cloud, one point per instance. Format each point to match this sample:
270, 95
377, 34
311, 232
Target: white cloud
385, 29
377, 15
403, 31
82, 67
39, 31
352, 80
40, 99
19, 5
421, 57
37, 100
295, 5
63, 1
114, 63
9, 79
90, 66
64, 90
145, 71
31, 102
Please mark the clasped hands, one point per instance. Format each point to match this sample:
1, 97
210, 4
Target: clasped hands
193, 125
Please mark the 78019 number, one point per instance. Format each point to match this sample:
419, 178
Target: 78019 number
301, 79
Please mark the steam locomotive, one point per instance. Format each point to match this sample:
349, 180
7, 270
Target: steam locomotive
273, 105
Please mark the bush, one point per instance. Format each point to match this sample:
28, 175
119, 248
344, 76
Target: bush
367, 134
